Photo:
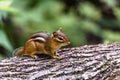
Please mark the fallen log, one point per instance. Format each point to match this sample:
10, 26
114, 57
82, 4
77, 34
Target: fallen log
89, 62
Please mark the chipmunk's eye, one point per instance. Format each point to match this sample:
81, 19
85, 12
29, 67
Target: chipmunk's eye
60, 38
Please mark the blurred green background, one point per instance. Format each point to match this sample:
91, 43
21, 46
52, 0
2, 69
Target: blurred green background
83, 21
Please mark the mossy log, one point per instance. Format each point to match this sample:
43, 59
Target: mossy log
88, 62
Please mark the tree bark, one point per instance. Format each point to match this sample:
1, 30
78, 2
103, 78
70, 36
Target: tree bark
89, 62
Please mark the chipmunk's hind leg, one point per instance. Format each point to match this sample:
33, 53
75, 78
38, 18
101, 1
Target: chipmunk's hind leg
33, 55
30, 49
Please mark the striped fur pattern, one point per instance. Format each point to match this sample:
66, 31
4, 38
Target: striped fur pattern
40, 37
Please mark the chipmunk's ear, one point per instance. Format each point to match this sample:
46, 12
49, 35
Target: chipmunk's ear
60, 29
54, 34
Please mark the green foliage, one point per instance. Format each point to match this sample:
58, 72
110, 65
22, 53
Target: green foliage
110, 3
110, 36
117, 13
4, 41
79, 20
90, 11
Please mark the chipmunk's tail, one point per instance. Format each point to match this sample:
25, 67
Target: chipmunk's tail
18, 52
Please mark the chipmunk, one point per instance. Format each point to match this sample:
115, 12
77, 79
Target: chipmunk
43, 42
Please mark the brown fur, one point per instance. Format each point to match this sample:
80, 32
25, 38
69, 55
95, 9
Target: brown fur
49, 46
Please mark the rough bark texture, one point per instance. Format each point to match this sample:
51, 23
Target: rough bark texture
89, 62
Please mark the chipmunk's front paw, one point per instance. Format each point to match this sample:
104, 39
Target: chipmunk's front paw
55, 57
34, 56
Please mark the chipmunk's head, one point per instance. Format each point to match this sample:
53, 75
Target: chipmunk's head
60, 38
